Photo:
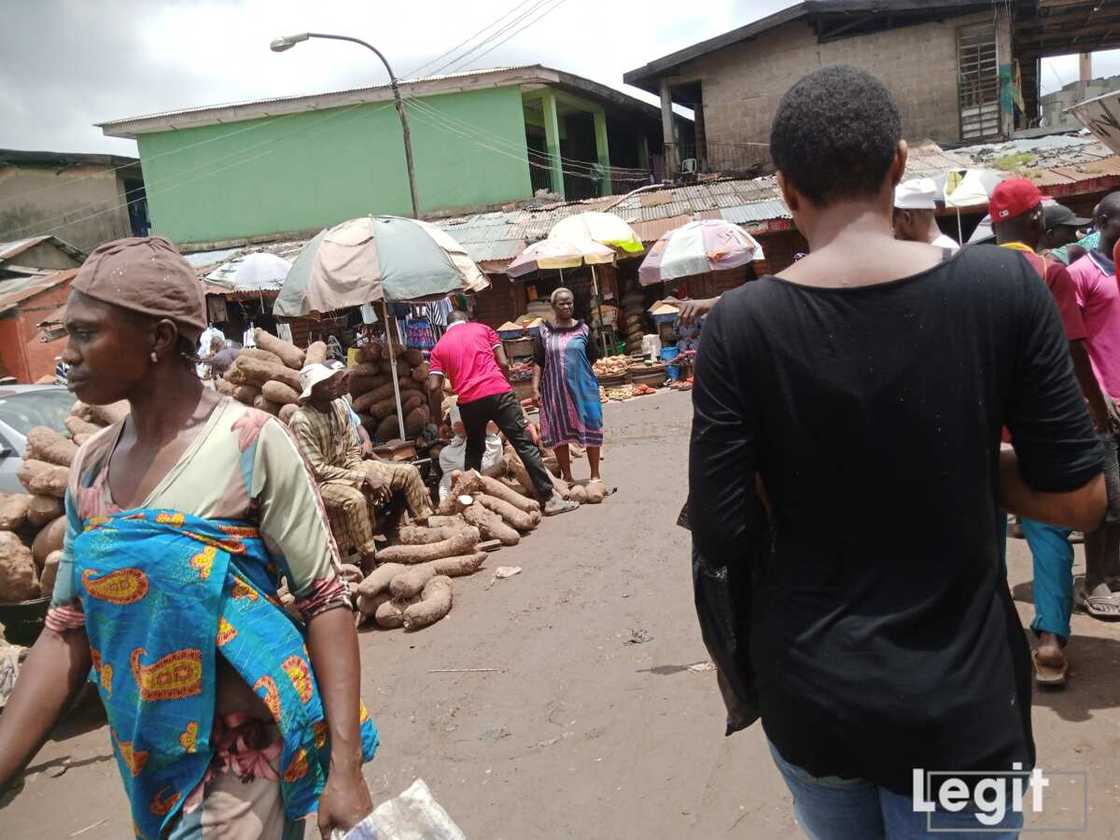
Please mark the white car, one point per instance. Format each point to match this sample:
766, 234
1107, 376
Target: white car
22, 408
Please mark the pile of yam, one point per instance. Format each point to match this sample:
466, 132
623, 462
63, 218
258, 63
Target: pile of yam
371, 386
267, 376
33, 525
411, 586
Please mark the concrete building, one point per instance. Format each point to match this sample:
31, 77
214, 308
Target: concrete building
24, 304
84, 199
481, 139
962, 71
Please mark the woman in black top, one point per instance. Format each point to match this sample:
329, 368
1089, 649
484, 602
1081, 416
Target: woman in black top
870, 378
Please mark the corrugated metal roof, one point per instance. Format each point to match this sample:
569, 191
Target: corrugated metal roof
758, 211
10, 250
14, 292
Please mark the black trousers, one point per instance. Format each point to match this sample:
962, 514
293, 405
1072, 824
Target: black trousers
505, 410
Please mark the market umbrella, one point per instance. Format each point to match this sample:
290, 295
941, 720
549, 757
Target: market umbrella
969, 188
558, 254
697, 248
375, 259
253, 272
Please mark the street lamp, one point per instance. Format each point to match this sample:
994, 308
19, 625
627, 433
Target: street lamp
288, 41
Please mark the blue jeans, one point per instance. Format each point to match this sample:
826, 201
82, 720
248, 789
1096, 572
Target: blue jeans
850, 809
1053, 577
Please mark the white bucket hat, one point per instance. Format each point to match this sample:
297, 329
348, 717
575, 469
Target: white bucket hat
312, 375
916, 194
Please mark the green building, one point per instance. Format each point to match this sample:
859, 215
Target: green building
231, 173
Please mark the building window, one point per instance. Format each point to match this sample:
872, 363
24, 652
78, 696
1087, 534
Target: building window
978, 81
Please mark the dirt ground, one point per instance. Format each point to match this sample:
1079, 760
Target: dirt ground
591, 723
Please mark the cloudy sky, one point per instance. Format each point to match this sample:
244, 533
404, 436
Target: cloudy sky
70, 63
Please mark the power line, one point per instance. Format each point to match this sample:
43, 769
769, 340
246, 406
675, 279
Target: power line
431, 62
537, 20
537, 6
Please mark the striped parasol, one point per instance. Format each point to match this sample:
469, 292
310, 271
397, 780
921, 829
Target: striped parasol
698, 248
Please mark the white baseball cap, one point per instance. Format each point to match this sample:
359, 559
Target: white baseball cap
916, 194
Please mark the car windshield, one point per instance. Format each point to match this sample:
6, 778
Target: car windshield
24, 411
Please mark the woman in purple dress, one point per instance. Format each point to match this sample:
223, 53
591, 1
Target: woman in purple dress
565, 387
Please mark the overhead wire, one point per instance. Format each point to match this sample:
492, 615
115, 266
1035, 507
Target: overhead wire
538, 19
423, 68
532, 10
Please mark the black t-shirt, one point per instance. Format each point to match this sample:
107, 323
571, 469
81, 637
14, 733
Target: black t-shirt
883, 637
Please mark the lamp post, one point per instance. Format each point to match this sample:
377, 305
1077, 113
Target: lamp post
289, 41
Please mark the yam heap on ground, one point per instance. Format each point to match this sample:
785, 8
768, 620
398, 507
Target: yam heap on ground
33, 525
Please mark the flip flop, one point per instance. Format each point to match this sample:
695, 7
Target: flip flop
1048, 675
1100, 606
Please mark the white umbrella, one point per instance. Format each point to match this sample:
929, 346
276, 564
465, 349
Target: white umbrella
253, 272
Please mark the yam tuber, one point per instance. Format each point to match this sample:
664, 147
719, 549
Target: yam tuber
246, 394
13, 511
44, 479
363, 384
367, 606
382, 408
412, 358
279, 393
464, 541
48, 540
224, 386
387, 429
466, 564
420, 373
595, 493
577, 494
266, 405
434, 604
415, 420
82, 440
371, 353
42, 510
249, 371
291, 355
316, 353
286, 412
263, 355
77, 426
45, 444
378, 580
50, 572
411, 582
19, 579
490, 525
389, 615
418, 535
452, 521
513, 516
493, 487
107, 415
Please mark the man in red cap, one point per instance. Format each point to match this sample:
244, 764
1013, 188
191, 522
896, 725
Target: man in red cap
1094, 281
1018, 222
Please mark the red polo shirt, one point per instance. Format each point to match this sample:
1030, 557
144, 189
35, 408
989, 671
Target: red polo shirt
465, 355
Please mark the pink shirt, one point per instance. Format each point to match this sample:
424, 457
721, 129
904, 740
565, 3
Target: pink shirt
465, 355
1099, 298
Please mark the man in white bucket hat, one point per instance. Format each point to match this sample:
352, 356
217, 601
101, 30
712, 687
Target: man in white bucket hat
348, 484
915, 203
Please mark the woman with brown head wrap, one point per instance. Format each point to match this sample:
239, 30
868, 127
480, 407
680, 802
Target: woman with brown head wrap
181, 519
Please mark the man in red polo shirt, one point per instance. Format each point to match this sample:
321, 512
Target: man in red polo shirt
1018, 222
471, 357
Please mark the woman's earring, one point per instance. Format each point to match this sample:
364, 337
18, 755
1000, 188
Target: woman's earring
155, 358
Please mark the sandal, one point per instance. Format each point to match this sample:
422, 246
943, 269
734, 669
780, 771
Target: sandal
1048, 675
1102, 603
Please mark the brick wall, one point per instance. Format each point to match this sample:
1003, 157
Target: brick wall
742, 83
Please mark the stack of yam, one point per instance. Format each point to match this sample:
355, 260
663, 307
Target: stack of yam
633, 313
267, 376
33, 525
371, 386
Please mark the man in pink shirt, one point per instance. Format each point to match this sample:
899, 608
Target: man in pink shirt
471, 357
1094, 281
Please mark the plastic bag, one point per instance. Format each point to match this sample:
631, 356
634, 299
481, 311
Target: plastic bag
414, 815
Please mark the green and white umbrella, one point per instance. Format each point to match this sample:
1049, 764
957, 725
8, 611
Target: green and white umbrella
376, 259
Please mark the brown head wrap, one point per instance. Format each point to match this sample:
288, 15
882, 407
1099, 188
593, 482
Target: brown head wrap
145, 274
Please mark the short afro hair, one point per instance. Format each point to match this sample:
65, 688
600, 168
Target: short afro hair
835, 134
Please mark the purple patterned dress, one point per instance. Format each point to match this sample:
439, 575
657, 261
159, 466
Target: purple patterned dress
570, 407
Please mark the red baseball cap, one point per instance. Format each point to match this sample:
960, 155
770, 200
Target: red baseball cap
1012, 198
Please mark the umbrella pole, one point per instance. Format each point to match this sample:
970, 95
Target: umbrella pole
393, 365
960, 228
599, 308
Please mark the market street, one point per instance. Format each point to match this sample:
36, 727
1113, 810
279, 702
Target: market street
592, 724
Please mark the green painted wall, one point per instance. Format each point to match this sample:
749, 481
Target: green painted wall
315, 169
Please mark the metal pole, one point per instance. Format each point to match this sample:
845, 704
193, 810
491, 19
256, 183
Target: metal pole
393, 83
393, 365
599, 308
960, 228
